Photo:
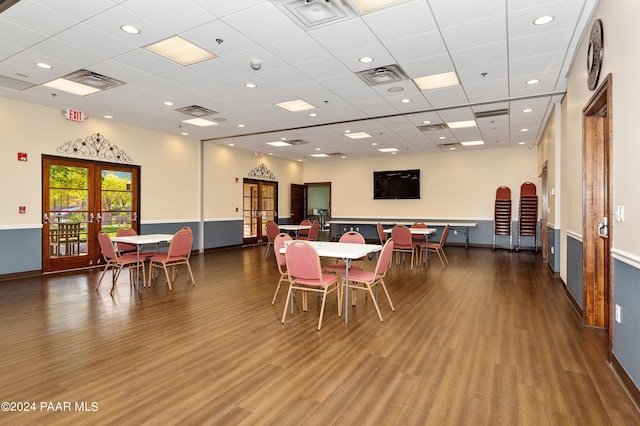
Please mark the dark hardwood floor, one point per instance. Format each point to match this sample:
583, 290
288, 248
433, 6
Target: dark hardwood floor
491, 340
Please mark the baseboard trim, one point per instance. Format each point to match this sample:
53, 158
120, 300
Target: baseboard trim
19, 275
627, 383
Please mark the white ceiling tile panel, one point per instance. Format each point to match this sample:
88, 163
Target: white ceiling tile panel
175, 15
345, 36
448, 13
415, 16
251, 22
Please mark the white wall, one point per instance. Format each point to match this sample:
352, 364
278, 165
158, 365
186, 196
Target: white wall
223, 164
454, 185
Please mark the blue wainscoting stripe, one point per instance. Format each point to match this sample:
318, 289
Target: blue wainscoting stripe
20, 250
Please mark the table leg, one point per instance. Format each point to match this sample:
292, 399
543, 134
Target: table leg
346, 290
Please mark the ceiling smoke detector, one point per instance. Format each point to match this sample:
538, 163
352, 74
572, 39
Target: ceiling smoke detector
196, 111
297, 142
383, 75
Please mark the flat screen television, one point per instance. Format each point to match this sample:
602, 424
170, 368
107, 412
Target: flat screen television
396, 185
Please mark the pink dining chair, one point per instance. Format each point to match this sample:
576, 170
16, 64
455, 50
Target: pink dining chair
381, 234
438, 247
116, 262
419, 241
367, 280
339, 267
305, 274
178, 254
126, 247
314, 231
304, 232
272, 230
278, 245
403, 243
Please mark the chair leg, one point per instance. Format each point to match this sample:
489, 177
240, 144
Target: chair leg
384, 287
444, 255
266, 252
273, 301
440, 257
286, 303
373, 300
193, 282
104, 271
324, 299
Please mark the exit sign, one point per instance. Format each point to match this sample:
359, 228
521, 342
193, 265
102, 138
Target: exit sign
74, 114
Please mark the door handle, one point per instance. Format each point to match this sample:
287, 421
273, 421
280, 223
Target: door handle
45, 218
134, 217
603, 230
99, 218
90, 217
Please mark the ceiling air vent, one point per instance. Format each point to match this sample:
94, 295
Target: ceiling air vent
451, 145
491, 114
336, 154
196, 111
383, 75
297, 142
93, 79
431, 127
316, 13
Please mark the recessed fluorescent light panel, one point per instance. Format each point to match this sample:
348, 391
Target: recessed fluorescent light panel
180, 50
358, 135
472, 143
279, 143
366, 6
388, 149
437, 81
295, 106
319, 155
71, 87
462, 124
200, 122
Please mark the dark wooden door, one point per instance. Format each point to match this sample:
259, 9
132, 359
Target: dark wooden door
298, 203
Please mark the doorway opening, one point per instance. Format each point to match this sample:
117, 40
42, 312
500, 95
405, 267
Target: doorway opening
79, 199
259, 205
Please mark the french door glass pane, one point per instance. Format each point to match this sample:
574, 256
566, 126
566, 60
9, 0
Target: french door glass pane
68, 210
117, 201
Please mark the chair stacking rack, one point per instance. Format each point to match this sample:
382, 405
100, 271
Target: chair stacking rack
502, 215
528, 214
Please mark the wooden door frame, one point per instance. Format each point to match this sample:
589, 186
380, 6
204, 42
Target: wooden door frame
597, 118
249, 241
94, 257
544, 240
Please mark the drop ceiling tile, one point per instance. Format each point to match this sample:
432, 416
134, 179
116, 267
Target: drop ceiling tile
34, 15
19, 36
323, 68
87, 38
415, 17
218, 38
110, 21
297, 49
250, 22
475, 33
78, 10
345, 36
418, 46
493, 53
447, 16
176, 15
147, 62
